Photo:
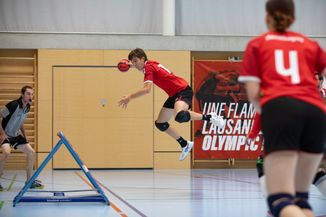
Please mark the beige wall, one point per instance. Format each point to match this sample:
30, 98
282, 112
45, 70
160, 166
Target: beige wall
165, 149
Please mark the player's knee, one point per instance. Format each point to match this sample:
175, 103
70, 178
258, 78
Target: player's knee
6, 153
182, 116
277, 202
162, 126
32, 153
301, 200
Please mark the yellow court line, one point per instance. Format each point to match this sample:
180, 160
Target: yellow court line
12, 182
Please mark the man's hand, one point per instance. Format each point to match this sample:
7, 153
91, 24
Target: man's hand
124, 102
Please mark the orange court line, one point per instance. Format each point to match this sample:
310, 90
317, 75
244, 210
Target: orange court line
115, 207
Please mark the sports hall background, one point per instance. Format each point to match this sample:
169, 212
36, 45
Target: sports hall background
63, 48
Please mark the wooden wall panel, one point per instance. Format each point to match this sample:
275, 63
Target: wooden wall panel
177, 61
47, 58
169, 160
17, 69
104, 135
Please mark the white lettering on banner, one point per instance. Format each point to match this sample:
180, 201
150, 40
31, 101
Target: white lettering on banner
247, 110
231, 127
217, 108
231, 137
204, 131
228, 143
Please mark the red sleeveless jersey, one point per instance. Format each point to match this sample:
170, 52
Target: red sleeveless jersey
285, 65
163, 78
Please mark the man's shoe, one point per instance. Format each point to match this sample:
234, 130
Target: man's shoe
186, 150
37, 185
216, 120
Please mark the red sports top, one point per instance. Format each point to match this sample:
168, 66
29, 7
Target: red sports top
285, 65
163, 78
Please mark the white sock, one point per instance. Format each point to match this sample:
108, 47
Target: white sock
262, 182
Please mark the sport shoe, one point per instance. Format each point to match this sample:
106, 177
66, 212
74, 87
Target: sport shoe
38, 181
37, 185
216, 120
186, 150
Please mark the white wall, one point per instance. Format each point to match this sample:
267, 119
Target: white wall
201, 25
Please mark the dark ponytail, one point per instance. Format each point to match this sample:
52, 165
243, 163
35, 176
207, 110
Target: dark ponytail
282, 12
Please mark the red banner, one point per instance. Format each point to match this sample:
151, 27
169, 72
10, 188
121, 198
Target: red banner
217, 90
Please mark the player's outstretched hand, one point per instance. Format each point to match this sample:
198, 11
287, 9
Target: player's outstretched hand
124, 102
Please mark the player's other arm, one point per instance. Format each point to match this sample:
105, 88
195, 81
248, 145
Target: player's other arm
143, 91
253, 92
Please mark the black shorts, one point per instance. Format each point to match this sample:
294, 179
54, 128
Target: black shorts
15, 141
184, 95
291, 124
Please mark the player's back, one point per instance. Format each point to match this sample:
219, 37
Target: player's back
287, 64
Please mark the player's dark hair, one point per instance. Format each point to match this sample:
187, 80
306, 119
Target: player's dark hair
320, 77
23, 90
282, 12
138, 52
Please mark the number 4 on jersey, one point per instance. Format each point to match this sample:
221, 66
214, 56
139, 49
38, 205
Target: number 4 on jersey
293, 69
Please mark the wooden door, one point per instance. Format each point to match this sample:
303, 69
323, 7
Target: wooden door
85, 109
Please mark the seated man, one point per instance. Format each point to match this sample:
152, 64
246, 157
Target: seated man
12, 134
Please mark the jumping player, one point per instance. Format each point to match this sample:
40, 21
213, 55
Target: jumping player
281, 65
179, 100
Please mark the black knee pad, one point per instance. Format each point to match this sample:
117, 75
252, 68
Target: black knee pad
182, 116
162, 126
301, 200
277, 202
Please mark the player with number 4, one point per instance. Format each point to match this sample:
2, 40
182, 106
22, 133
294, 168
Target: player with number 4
177, 104
279, 69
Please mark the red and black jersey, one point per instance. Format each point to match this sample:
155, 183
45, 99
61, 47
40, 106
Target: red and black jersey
163, 78
285, 65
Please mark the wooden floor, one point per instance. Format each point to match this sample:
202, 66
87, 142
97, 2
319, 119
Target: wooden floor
161, 193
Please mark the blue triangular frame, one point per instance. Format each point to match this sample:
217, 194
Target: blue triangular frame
101, 197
